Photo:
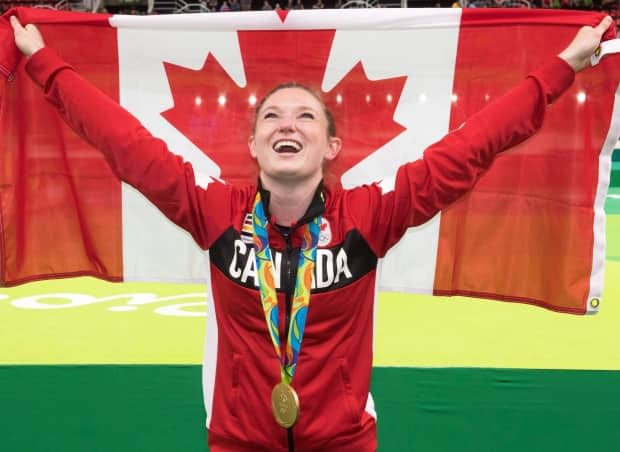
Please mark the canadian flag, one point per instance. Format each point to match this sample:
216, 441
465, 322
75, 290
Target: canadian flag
532, 230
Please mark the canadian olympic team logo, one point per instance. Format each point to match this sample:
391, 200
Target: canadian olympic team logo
325, 235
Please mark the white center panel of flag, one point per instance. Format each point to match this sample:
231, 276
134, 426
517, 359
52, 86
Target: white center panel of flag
423, 109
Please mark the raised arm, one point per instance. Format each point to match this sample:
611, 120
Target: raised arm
452, 166
134, 155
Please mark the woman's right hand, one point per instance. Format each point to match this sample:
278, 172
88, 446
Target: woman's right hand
28, 39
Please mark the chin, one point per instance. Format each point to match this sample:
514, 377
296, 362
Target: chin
288, 175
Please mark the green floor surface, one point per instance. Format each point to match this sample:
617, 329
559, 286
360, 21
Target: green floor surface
159, 409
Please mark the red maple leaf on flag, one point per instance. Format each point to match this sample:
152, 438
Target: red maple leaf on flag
217, 115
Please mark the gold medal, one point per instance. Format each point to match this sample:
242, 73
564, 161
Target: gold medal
285, 405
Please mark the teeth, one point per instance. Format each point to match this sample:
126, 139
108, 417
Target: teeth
288, 143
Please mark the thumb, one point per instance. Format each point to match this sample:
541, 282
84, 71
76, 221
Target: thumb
602, 27
17, 26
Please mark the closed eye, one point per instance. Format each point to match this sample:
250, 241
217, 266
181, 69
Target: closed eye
307, 115
270, 114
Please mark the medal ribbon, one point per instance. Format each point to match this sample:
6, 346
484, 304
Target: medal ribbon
303, 283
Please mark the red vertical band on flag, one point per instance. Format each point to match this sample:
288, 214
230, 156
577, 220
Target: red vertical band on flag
60, 203
525, 233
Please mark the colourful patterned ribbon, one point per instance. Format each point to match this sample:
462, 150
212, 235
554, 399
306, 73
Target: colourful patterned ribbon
303, 283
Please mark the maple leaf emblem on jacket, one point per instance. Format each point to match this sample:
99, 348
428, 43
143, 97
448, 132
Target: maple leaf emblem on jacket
216, 114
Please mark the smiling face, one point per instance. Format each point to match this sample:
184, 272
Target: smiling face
291, 139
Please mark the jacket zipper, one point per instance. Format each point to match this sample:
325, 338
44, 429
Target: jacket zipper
288, 288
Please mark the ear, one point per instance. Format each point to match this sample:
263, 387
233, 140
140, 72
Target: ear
251, 145
333, 148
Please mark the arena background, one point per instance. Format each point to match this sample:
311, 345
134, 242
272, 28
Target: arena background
90, 366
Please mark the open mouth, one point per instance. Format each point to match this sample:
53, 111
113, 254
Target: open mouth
287, 146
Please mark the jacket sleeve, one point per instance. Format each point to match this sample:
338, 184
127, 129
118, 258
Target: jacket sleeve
450, 167
135, 156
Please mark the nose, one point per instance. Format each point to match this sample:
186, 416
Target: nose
286, 123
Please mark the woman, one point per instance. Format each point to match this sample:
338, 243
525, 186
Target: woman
290, 239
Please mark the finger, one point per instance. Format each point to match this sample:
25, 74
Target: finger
17, 26
604, 25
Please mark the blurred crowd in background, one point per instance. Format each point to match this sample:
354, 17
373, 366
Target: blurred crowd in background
612, 7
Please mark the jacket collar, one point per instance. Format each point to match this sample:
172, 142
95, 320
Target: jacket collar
316, 207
